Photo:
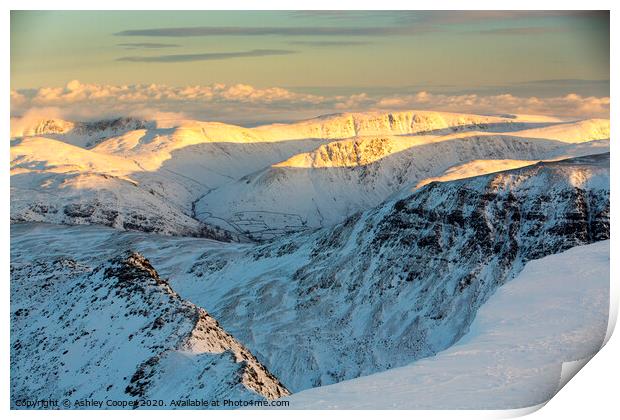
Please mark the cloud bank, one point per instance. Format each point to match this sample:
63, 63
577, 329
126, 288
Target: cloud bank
146, 45
395, 23
245, 104
181, 58
330, 43
207, 31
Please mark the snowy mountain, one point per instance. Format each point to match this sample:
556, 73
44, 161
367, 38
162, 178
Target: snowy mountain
118, 331
57, 182
404, 280
346, 125
575, 132
327, 249
83, 134
513, 355
147, 179
338, 179
217, 180
388, 286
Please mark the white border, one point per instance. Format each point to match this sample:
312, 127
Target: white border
593, 394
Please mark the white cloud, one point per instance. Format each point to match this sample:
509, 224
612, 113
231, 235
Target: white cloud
570, 106
242, 103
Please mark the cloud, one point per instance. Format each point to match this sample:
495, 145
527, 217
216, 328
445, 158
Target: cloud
205, 31
330, 43
239, 103
147, 45
182, 58
446, 17
246, 104
567, 82
570, 106
443, 16
17, 98
388, 23
531, 30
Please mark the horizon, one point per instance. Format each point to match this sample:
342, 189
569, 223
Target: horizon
261, 67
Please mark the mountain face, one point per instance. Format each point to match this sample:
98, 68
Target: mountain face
580, 131
339, 179
555, 311
83, 134
119, 331
346, 125
152, 187
402, 281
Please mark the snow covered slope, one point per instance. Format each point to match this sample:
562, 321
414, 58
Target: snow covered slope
336, 180
118, 331
82, 134
513, 353
386, 287
145, 179
388, 231
575, 132
345, 125
57, 182
404, 280
197, 178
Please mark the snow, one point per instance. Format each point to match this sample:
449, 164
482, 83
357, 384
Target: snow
81, 134
341, 178
379, 237
59, 157
475, 168
575, 132
188, 177
397, 283
555, 311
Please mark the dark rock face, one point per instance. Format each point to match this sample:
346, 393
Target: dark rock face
405, 280
96, 212
79, 210
41, 208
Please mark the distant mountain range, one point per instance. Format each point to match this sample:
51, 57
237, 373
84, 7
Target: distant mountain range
233, 183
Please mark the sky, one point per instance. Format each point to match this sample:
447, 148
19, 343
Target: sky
260, 66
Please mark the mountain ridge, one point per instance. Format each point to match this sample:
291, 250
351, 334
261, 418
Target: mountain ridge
150, 337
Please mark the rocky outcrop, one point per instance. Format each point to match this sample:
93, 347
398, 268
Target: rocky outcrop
119, 331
